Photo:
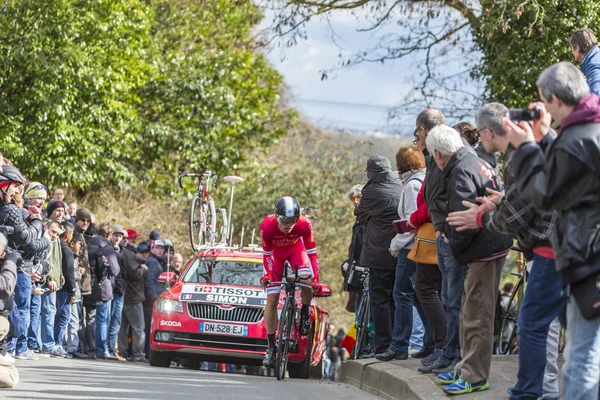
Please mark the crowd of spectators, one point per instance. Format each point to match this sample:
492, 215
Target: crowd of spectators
80, 289
547, 203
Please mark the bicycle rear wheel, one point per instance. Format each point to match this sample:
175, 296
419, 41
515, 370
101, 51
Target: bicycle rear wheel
284, 331
196, 226
362, 325
508, 330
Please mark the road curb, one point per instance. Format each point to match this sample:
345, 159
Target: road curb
389, 380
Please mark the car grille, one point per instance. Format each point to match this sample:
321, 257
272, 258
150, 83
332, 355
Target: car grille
217, 341
234, 314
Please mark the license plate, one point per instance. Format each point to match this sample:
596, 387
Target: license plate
223, 329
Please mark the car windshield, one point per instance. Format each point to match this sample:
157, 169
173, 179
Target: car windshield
231, 272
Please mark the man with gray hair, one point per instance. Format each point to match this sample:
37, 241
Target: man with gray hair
514, 215
468, 177
567, 178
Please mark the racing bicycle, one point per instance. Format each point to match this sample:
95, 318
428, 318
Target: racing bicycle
362, 319
288, 331
203, 215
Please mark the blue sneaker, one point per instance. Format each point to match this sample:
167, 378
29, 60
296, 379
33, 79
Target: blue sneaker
462, 387
448, 377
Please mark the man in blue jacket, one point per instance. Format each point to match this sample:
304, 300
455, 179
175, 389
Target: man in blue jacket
584, 47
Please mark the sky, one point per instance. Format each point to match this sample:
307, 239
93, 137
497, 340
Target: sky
356, 98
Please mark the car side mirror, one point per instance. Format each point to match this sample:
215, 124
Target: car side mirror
167, 277
322, 290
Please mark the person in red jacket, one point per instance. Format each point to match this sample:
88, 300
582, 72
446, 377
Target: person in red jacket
287, 236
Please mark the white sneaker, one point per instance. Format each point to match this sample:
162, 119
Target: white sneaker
9, 358
27, 355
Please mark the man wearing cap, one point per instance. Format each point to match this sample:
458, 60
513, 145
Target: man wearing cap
153, 288
116, 306
132, 236
134, 273
56, 212
377, 209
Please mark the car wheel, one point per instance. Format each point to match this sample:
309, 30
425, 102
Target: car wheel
188, 363
157, 359
302, 370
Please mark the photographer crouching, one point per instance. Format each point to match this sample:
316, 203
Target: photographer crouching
9, 377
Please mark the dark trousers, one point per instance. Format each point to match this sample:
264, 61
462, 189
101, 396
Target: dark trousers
133, 317
87, 336
381, 287
429, 290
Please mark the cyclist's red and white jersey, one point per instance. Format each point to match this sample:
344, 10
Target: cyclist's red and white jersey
279, 247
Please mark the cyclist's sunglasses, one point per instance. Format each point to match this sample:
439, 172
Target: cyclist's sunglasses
283, 220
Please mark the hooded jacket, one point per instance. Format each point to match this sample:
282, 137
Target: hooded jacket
468, 177
98, 272
590, 66
68, 269
109, 252
407, 205
377, 209
567, 179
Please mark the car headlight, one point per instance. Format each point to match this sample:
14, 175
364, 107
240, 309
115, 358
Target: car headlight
167, 306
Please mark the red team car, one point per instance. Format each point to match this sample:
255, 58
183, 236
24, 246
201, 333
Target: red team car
214, 312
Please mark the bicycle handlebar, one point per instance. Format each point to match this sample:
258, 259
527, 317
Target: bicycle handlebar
283, 283
207, 174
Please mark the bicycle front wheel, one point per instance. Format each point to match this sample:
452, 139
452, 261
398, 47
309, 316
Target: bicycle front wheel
197, 218
284, 331
362, 325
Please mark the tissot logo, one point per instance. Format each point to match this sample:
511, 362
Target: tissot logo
170, 323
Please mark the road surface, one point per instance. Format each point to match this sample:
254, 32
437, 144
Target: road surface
54, 378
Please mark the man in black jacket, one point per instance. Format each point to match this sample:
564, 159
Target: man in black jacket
377, 209
484, 252
567, 178
9, 376
65, 296
516, 216
134, 273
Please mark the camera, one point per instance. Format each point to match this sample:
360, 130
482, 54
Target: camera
519, 114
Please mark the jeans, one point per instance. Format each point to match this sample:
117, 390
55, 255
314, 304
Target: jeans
381, 286
418, 331
404, 299
581, 371
133, 316
48, 314
63, 316
33, 338
75, 325
116, 310
542, 303
453, 281
102, 323
22, 302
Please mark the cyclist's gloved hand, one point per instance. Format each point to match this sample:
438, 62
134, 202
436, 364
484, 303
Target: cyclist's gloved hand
264, 280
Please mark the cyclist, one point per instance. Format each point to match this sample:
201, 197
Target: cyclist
287, 236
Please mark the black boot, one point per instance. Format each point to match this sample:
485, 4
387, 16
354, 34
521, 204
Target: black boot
304, 324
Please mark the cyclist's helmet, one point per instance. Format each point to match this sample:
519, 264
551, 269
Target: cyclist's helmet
11, 175
287, 211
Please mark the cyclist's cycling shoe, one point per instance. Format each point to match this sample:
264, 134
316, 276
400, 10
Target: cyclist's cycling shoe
269, 360
304, 324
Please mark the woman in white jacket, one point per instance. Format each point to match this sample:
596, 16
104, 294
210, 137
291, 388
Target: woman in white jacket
411, 168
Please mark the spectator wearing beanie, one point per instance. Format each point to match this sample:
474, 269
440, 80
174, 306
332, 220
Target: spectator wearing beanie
56, 211
132, 236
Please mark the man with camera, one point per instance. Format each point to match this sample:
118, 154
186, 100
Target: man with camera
9, 376
514, 215
567, 178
